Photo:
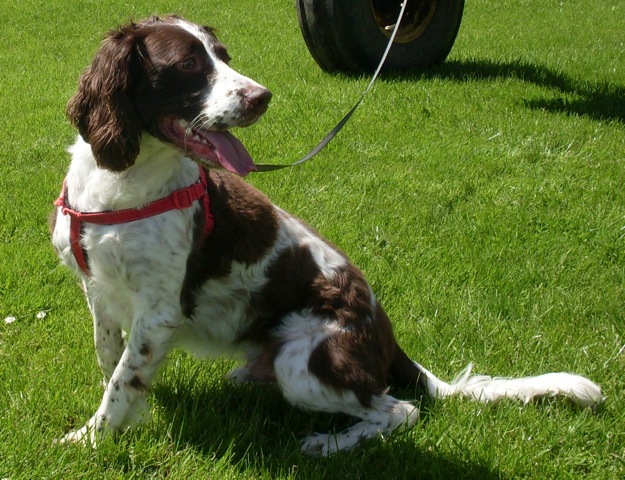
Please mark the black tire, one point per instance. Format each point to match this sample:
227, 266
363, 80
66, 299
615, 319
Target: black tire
350, 35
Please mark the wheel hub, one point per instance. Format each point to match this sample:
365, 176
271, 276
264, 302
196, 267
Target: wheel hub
416, 17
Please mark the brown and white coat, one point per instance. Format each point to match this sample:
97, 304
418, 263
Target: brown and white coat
153, 108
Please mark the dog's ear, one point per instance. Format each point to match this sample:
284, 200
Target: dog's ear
102, 109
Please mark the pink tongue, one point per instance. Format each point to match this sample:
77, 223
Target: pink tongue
230, 152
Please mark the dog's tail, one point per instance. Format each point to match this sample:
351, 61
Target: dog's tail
483, 388
487, 389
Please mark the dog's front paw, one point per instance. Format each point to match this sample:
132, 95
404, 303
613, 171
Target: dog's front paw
86, 436
83, 436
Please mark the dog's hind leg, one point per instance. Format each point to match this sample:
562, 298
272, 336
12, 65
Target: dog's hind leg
323, 367
384, 416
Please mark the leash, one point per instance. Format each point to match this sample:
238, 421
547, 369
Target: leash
328, 138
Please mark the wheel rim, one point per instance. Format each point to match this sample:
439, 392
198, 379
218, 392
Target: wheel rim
417, 17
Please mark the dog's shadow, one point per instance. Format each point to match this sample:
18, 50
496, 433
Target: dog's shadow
602, 101
254, 427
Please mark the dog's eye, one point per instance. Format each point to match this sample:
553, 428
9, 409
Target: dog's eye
187, 64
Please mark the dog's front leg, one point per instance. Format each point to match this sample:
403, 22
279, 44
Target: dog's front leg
108, 338
124, 402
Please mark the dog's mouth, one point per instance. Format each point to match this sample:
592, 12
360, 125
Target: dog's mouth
215, 149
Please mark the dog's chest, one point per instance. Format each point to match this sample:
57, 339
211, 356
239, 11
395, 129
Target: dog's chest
143, 254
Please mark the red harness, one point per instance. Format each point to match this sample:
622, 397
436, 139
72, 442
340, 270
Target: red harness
178, 200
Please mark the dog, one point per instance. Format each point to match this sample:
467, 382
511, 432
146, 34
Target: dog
174, 248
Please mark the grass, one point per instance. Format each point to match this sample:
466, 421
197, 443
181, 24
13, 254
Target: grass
483, 199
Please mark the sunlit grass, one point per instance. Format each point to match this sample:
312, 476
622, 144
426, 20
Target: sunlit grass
484, 200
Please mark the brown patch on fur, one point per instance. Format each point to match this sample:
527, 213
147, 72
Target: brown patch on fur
245, 229
295, 283
146, 350
357, 360
346, 297
404, 373
136, 383
290, 285
102, 110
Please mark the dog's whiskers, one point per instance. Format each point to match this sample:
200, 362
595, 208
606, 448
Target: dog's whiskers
196, 124
193, 124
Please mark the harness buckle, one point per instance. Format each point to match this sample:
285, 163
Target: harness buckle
182, 199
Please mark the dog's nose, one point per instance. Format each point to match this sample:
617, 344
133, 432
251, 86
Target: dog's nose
257, 99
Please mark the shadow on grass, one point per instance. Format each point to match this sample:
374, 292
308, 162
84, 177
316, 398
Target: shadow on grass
257, 431
600, 101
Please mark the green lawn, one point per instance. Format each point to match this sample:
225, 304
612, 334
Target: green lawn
484, 200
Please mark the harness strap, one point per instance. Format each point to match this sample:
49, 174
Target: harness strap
178, 200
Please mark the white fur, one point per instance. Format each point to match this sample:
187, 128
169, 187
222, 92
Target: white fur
488, 389
221, 101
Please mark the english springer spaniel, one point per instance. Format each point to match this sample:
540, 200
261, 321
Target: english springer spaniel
173, 248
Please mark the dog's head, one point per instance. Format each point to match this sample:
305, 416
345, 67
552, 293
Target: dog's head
169, 78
